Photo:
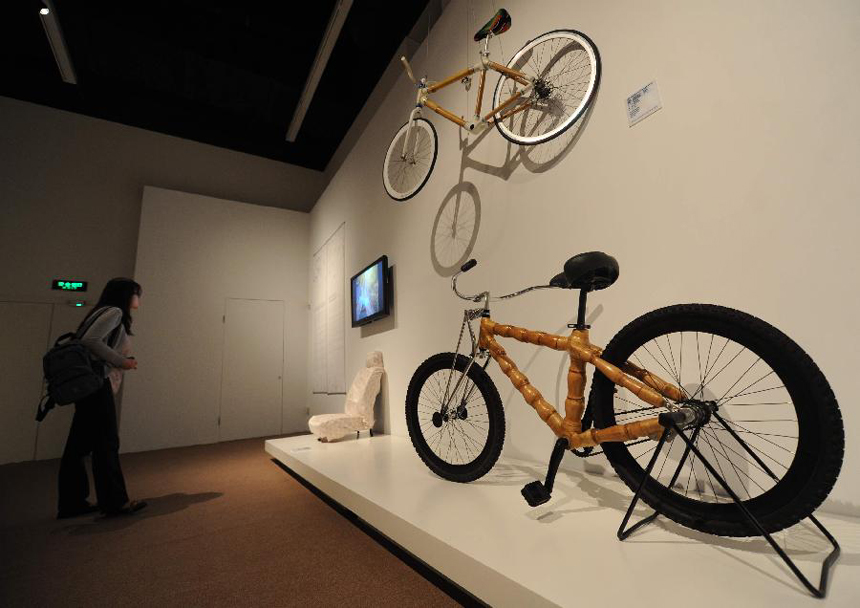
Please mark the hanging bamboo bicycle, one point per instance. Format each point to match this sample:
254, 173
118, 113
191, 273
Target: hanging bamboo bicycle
545, 88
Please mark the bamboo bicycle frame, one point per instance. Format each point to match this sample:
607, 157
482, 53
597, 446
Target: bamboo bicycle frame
647, 386
478, 122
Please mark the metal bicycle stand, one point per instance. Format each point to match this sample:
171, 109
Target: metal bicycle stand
670, 426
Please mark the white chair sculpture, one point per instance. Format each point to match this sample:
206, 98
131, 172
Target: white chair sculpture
358, 413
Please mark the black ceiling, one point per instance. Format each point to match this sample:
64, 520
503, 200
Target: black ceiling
224, 73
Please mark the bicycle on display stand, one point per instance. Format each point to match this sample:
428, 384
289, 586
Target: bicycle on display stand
543, 90
711, 416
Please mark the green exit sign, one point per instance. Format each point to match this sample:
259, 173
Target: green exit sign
67, 285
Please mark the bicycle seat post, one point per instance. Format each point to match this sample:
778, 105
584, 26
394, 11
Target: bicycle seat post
486, 52
580, 313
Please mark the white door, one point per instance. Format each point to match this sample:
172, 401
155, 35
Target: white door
251, 382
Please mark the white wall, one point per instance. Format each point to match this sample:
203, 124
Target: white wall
742, 191
70, 189
194, 252
27, 327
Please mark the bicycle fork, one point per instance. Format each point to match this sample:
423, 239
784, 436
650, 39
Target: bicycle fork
404, 154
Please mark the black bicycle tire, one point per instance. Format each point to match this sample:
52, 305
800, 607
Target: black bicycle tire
495, 438
586, 106
819, 457
432, 164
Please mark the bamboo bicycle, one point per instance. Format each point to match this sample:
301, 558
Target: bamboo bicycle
767, 437
545, 88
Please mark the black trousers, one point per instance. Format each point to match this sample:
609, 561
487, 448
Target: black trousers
94, 431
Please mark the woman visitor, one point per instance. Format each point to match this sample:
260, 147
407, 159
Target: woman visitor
105, 332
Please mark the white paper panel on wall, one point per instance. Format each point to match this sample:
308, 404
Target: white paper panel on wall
335, 330
327, 316
318, 319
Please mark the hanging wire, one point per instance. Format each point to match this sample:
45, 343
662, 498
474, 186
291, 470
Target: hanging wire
498, 38
468, 29
427, 46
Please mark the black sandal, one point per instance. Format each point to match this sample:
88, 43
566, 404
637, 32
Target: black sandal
132, 506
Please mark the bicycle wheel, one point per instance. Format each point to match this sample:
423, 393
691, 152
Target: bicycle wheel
767, 391
462, 441
406, 169
566, 67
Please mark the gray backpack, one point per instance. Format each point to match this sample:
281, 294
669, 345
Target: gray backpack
70, 372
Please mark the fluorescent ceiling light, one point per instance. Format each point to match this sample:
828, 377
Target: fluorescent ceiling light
58, 43
335, 24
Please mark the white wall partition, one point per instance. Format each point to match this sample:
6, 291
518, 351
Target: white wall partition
194, 253
741, 191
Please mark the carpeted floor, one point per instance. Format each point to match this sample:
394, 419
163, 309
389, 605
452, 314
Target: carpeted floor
225, 526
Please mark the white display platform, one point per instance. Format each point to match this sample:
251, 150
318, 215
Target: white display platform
484, 537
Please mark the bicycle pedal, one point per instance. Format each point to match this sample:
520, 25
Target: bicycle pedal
535, 493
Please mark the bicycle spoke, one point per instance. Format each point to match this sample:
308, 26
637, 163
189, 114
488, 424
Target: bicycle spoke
714, 364
720, 467
758, 435
743, 457
723, 368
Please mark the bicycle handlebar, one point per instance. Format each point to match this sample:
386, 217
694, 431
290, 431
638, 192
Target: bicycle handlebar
485, 295
466, 268
408, 69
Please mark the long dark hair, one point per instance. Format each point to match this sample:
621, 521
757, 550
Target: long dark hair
118, 292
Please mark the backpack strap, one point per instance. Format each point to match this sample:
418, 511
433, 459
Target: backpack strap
66, 336
84, 328
80, 334
45, 406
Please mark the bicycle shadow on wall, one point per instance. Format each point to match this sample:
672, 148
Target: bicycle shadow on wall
457, 223
538, 158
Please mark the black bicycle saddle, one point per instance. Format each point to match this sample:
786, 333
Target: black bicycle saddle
589, 271
499, 24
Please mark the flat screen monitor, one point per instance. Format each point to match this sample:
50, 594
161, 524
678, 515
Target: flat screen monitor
370, 293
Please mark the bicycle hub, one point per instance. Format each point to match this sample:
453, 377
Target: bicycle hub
542, 89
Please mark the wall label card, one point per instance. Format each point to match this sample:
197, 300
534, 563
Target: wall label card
643, 103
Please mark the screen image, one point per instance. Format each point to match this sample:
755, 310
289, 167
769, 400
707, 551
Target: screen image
368, 297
